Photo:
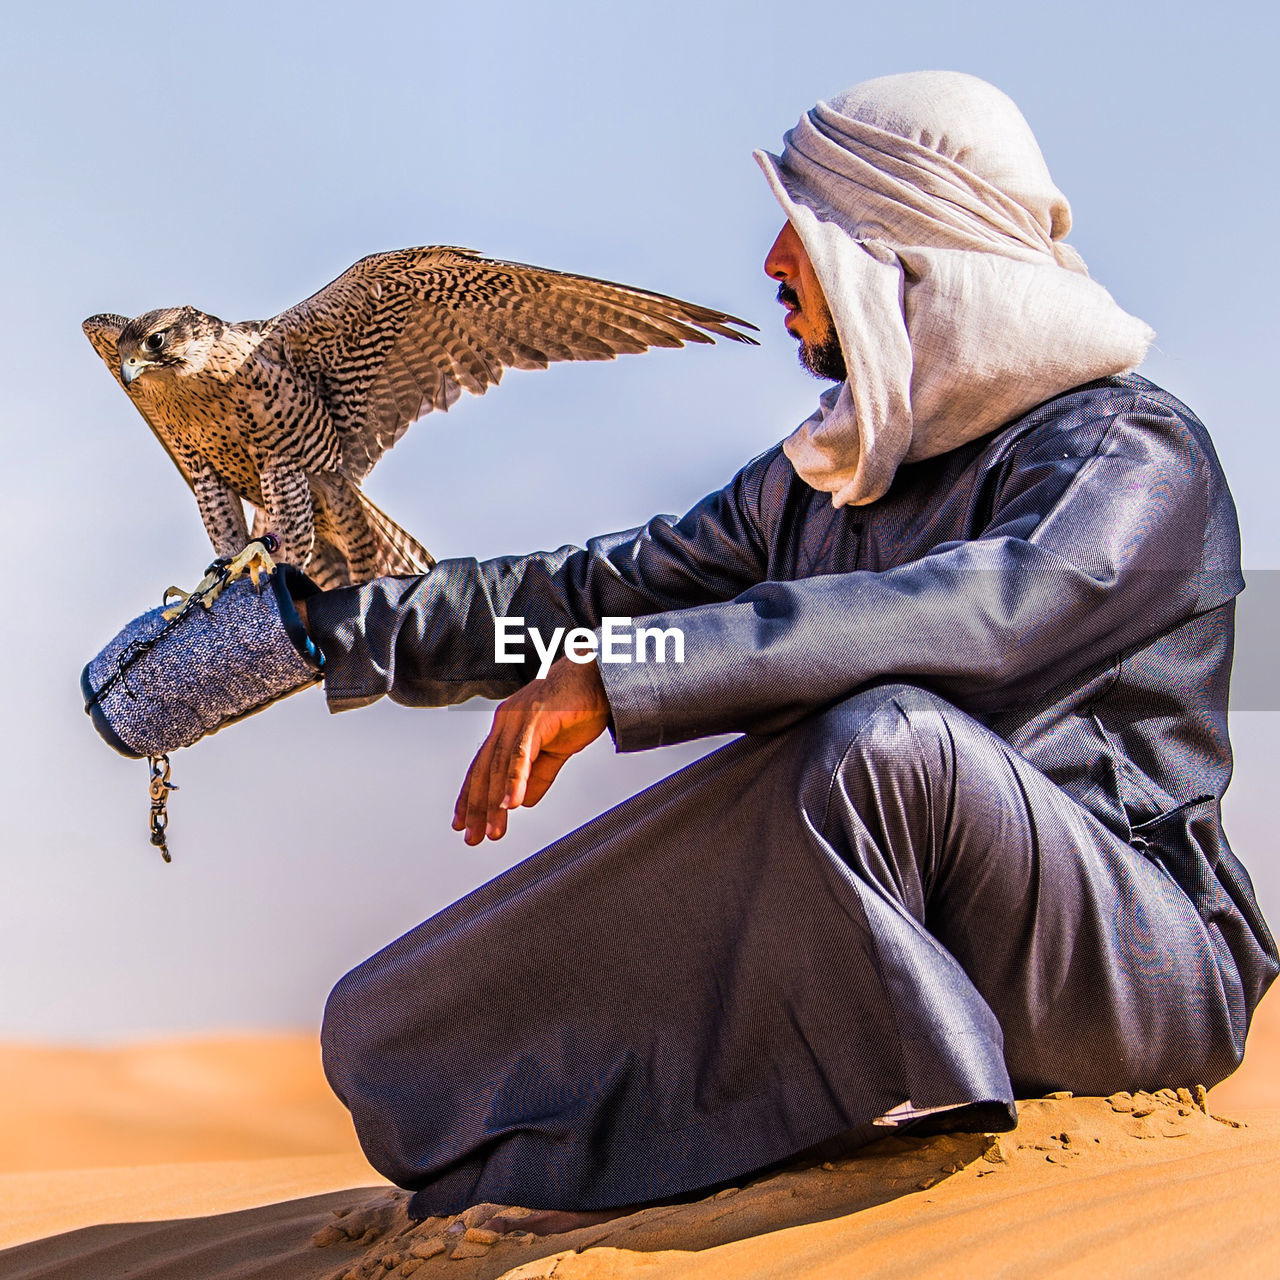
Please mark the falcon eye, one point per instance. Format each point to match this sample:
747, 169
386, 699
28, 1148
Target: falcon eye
155, 341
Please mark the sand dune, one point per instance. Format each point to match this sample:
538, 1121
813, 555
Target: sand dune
1171, 1192
220, 1159
153, 1103
162, 1130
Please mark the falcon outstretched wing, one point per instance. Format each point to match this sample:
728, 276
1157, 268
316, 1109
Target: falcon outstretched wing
402, 333
103, 331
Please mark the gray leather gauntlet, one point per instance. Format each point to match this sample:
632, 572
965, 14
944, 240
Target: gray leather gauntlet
164, 683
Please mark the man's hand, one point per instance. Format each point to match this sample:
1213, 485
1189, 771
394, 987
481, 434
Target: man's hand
534, 732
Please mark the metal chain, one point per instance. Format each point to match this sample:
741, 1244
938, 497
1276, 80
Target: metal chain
160, 788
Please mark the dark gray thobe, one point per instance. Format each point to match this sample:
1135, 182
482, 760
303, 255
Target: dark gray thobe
969, 847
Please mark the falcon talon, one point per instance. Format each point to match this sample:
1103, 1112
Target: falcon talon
181, 596
251, 561
255, 559
209, 587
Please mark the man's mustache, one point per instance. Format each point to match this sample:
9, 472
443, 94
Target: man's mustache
788, 295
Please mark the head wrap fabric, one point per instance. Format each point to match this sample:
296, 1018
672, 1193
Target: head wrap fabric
937, 234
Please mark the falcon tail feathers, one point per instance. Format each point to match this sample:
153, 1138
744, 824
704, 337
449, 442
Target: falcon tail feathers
398, 550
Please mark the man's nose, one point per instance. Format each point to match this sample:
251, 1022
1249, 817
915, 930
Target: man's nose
782, 260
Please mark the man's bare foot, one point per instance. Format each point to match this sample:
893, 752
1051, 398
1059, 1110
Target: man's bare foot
554, 1222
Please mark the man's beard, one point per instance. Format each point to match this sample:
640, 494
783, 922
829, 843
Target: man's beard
822, 357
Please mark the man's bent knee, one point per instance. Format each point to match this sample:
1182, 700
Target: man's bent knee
879, 718
892, 735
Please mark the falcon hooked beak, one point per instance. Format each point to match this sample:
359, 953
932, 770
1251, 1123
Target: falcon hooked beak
162, 340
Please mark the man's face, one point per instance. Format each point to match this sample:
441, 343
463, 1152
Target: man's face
808, 317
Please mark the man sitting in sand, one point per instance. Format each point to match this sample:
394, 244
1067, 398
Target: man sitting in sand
974, 619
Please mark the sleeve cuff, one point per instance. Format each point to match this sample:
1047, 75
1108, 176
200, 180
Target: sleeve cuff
357, 671
635, 719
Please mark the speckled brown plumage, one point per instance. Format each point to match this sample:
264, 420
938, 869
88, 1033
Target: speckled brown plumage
290, 414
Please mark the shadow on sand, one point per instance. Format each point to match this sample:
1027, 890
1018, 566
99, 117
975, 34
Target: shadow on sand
358, 1233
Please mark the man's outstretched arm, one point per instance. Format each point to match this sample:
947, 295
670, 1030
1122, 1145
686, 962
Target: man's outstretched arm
430, 640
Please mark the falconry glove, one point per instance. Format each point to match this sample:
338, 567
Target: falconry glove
173, 675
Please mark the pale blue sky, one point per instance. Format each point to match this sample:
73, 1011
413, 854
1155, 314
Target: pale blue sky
238, 156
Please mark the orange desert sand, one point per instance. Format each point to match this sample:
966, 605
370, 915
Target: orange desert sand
214, 1159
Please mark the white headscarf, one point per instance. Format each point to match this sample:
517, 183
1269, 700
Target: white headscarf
936, 233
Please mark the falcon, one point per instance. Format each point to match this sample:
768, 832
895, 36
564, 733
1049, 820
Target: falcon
290, 414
